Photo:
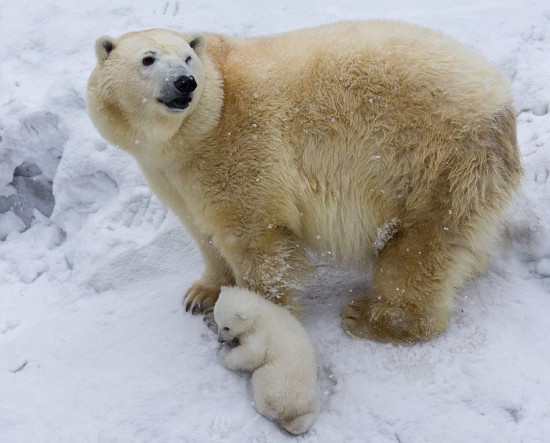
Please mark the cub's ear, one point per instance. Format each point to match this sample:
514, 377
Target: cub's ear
243, 315
197, 43
103, 47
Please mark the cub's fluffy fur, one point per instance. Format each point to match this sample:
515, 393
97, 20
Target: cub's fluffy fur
275, 347
372, 144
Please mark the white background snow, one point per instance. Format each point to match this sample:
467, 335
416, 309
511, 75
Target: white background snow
94, 345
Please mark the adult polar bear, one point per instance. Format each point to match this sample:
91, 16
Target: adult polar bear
365, 142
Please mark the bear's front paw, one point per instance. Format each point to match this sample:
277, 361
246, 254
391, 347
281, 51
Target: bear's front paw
200, 297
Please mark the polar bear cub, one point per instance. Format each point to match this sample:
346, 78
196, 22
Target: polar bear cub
266, 339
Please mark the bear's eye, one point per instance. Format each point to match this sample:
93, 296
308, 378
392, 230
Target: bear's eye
148, 61
226, 329
188, 60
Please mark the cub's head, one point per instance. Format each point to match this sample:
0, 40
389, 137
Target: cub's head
235, 313
145, 84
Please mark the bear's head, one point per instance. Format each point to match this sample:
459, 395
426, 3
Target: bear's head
145, 84
235, 312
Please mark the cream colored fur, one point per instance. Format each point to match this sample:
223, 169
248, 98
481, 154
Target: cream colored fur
322, 140
275, 347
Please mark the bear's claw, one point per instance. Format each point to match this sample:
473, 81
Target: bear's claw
209, 320
200, 297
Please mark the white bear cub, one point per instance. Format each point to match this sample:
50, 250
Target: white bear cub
266, 339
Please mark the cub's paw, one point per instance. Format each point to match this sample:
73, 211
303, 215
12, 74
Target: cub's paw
200, 297
223, 356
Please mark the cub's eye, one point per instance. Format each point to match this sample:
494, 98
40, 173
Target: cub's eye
226, 329
188, 60
148, 61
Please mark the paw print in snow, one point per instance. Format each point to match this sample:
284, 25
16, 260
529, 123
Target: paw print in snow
171, 8
542, 175
143, 209
542, 267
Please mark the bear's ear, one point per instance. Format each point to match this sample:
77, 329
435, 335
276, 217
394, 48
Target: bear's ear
197, 43
103, 47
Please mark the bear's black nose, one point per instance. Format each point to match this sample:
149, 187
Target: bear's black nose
185, 84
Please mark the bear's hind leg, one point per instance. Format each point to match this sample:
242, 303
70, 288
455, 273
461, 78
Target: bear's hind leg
414, 278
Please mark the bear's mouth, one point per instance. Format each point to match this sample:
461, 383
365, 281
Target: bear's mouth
177, 104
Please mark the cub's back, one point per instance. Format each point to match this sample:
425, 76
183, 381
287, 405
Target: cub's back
288, 339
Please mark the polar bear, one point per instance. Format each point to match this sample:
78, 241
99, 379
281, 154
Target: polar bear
379, 146
267, 340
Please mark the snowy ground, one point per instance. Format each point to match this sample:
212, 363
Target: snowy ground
93, 342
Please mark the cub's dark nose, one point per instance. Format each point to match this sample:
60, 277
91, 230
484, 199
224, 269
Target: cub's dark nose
185, 84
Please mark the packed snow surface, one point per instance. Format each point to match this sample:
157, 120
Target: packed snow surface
94, 345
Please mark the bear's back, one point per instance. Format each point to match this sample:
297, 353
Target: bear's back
377, 51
